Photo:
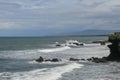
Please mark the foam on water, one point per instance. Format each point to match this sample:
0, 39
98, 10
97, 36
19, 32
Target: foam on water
87, 50
54, 49
42, 74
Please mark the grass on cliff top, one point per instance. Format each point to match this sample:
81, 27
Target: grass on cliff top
114, 36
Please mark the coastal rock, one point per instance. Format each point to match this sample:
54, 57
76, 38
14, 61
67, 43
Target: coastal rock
55, 60
97, 60
47, 60
73, 59
114, 47
82, 59
102, 42
40, 59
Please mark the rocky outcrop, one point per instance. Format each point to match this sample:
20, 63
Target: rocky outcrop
114, 47
74, 59
40, 59
55, 60
92, 59
113, 56
97, 60
102, 42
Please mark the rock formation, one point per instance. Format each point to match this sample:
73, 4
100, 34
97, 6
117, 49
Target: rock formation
114, 47
113, 56
40, 59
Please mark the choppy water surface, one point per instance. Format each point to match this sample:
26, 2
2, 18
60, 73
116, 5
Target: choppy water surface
17, 60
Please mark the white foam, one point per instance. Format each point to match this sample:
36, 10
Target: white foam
54, 49
44, 74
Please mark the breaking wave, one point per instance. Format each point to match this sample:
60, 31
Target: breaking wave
42, 74
54, 49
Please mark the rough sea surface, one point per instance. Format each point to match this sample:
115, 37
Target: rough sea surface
17, 60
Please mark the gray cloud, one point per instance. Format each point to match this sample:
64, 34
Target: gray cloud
7, 5
61, 15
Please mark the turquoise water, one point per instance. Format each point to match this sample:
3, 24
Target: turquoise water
17, 59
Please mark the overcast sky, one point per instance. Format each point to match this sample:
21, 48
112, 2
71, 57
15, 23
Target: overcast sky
54, 17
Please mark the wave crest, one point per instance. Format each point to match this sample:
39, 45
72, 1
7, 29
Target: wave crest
43, 74
54, 49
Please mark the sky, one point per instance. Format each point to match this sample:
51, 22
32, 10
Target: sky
57, 17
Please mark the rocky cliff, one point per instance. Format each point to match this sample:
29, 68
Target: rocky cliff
114, 47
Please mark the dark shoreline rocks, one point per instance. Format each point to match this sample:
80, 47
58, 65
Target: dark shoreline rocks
114, 47
97, 60
92, 59
102, 42
113, 56
74, 59
41, 59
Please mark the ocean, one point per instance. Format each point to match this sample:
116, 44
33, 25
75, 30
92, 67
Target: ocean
18, 54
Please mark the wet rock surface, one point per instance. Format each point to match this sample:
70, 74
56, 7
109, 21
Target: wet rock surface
40, 59
114, 47
113, 56
92, 59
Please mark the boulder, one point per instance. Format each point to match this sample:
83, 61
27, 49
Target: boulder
55, 60
47, 60
102, 43
73, 59
97, 60
40, 59
82, 59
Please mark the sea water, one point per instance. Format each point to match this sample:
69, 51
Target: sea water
18, 54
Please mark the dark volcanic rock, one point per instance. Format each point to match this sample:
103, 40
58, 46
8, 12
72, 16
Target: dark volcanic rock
114, 47
55, 60
47, 60
82, 59
102, 42
40, 59
97, 60
73, 59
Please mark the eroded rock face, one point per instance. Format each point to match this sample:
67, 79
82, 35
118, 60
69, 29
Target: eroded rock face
114, 48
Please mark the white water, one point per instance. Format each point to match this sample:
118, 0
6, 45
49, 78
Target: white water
42, 74
89, 50
54, 49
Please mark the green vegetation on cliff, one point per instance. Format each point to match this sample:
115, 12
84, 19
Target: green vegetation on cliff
114, 47
115, 36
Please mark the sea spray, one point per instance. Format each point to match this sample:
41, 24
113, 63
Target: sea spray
54, 49
42, 74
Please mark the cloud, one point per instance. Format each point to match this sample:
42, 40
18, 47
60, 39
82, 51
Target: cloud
9, 5
9, 25
59, 15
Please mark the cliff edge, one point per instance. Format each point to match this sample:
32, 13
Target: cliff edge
114, 47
